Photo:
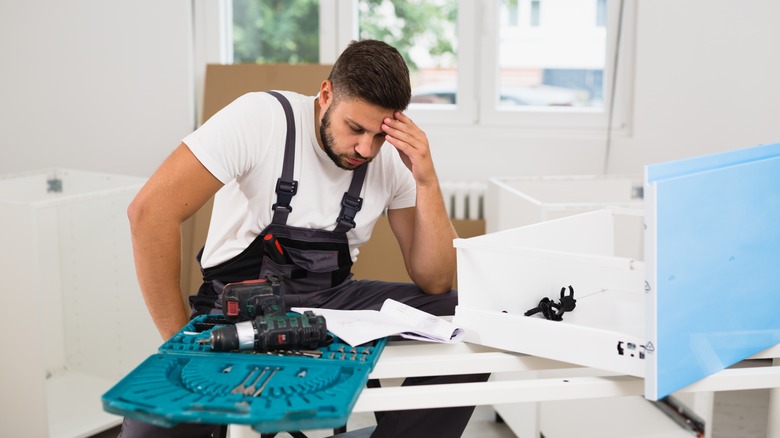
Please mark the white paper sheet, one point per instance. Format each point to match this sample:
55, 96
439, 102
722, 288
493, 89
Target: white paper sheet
356, 327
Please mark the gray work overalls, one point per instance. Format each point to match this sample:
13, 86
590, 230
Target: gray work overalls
306, 260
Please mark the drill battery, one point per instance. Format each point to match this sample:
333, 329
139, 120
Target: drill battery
246, 300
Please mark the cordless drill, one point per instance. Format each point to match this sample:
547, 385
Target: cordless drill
260, 322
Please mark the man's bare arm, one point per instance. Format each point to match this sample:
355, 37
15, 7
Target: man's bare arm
427, 248
179, 187
424, 232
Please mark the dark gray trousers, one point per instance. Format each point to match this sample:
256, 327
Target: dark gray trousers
362, 295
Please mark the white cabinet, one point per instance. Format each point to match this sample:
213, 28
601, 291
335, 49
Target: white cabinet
75, 321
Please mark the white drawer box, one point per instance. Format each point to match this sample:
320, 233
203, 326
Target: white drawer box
710, 253
512, 202
502, 275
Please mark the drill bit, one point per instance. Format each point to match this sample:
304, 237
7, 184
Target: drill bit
260, 391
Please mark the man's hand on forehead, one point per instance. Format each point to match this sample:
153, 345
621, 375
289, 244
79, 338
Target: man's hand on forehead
412, 145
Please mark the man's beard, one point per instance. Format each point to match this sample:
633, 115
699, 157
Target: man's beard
328, 141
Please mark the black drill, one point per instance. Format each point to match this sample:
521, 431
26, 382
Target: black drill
262, 323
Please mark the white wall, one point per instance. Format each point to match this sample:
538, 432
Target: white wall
94, 85
107, 86
706, 79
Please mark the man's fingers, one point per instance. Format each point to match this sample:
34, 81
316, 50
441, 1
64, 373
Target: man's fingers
396, 133
401, 117
397, 143
403, 129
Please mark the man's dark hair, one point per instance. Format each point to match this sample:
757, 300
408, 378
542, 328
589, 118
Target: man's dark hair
374, 72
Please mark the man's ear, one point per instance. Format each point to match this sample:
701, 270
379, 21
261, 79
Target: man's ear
326, 93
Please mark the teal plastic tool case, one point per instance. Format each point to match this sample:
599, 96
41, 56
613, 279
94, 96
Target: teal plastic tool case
187, 382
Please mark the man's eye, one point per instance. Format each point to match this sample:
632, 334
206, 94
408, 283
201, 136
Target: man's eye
357, 130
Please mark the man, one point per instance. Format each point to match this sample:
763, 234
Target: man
312, 174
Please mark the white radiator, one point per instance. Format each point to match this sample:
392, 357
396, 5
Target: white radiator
464, 199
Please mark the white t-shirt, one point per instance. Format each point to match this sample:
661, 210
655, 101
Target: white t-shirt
243, 146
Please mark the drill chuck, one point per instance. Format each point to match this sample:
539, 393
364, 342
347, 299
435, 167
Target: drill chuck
240, 336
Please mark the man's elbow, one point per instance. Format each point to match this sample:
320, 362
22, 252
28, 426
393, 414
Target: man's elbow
438, 290
135, 212
436, 286
141, 216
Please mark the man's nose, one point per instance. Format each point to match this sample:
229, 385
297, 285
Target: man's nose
365, 145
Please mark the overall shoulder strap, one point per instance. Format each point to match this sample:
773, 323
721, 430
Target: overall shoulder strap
351, 202
286, 186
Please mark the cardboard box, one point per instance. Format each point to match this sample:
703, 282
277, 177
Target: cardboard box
226, 82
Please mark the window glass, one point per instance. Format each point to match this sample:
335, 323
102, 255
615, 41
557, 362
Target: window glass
425, 33
601, 13
276, 31
552, 54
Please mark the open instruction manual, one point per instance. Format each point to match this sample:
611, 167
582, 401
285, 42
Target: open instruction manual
356, 327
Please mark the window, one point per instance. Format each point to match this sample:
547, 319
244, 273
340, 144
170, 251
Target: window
555, 68
559, 62
601, 13
276, 31
535, 64
535, 12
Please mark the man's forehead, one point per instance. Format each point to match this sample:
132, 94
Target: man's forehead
367, 115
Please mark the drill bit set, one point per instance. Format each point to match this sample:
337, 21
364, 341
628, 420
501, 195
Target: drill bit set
284, 389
